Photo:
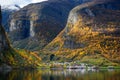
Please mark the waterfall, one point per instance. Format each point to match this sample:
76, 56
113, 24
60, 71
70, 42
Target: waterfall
32, 33
12, 25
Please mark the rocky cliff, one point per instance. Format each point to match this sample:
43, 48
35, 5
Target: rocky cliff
4, 43
35, 25
10, 57
93, 29
6, 13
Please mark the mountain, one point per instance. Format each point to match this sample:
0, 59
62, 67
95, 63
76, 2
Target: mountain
10, 57
6, 12
4, 43
35, 25
92, 34
11, 7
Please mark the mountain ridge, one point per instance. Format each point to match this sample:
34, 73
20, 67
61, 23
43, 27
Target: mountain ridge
11, 58
43, 20
91, 30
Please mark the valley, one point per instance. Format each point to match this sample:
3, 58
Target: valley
40, 35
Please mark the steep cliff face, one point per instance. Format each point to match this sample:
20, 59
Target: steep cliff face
92, 28
6, 13
37, 24
12, 57
4, 43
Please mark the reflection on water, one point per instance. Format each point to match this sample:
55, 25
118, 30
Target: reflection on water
54, 74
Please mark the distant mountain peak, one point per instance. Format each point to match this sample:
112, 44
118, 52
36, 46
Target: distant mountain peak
12, 7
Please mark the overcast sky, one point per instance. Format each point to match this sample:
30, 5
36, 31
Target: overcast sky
21, 3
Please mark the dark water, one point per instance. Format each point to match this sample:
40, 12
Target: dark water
61, 75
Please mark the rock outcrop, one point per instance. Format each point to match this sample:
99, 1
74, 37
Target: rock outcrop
35, 25
92, 28
10, 57
4, 42
7, 11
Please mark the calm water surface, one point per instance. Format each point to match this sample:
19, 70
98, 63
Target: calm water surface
61, 75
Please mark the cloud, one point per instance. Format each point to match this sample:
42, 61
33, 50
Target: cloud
35, 1
19, 2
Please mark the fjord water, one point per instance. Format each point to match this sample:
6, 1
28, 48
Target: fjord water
54, 74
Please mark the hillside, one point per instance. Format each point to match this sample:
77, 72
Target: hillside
15, 58
6, 13
92, 34
35, 25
